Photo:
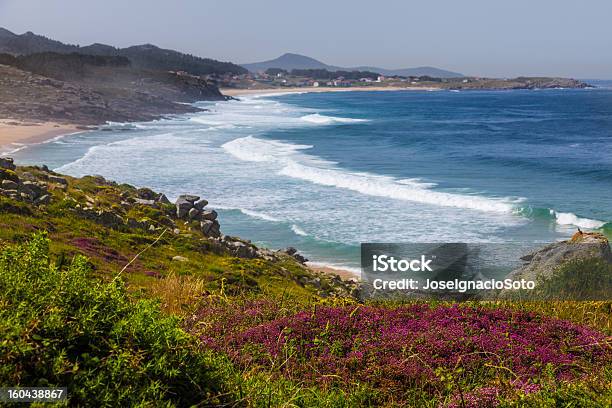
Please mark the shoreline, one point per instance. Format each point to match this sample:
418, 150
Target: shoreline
272, 91
344, 274
14, 134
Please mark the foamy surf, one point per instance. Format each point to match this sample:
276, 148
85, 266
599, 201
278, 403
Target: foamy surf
295, 164
319, 119
573, 219
298, 231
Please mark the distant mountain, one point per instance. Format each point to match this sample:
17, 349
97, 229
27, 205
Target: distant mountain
296, 61
146, 56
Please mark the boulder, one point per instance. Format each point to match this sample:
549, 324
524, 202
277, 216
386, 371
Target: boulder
8, 174
143, 201
7, 163
201, 204
9, 185
545, 261
210, 215
58, 180
188, 197
206, 226
146, 194
183, 206
193, 213
43, 200
162, 199
32, 189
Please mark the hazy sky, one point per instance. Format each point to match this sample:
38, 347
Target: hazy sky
477, 37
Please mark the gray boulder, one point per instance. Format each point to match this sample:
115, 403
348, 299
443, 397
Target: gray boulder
43, 200
183, 206
144, 201
9, 185
58, 180
545, 261
188, 197
7, 163
162, 199
201, 204
209, 215
193, 213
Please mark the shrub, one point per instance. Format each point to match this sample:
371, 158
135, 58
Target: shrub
413, 353
61, 328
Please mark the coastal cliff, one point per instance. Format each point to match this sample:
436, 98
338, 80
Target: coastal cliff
80, 90
138, 300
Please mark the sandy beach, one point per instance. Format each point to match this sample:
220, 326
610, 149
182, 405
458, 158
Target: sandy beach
343, 273
265, 91
14, 132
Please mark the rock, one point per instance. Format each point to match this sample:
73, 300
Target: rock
146, 194
206, 226
8, 174
43, 200
33, 189
193, 213
58, 180
183, 206
190, 198
209, 215
292, 252
215, 230
545, 261
201, 204
144, 201
179, 258
106, 218
7, 163
162, 199
9, 185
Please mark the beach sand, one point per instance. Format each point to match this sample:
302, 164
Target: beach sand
241, 92
13, 132
343, 273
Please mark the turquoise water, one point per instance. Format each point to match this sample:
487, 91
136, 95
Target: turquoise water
324, 172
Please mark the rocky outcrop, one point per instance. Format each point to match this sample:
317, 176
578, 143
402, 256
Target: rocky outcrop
543, 262
191, 208
13, 186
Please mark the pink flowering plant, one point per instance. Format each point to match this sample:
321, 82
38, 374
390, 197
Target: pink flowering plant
468, 356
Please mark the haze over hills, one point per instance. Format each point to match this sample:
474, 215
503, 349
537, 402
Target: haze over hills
291, 61
145, 56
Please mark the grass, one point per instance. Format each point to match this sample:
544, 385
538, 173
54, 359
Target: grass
174, 333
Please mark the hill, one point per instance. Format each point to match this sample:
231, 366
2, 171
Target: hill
129, 300
291, 61
145, 56
89, 90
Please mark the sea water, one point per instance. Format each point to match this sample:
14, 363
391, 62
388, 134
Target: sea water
324, 172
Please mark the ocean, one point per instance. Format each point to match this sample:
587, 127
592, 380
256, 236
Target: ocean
324, 172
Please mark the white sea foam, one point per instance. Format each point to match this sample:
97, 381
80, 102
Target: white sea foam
383, 186
298, 230
258, 150
573, 219
319, 119
291, 162
259, 214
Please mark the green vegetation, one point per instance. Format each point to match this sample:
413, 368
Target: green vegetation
61, 328
215, 329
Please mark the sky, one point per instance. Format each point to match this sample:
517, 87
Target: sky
496, 38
